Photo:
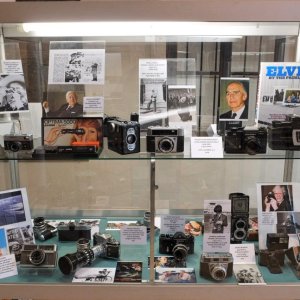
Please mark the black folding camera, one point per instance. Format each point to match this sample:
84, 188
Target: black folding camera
123, 136
217, 266
293, 255
18, 142
42, 230
73, 231
277, 241
271, 259
38, 256
240, 140
179, 244
285, 135
165, 139
239, 217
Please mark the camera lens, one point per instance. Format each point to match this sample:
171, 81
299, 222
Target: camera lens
131, 139
218, 272
240, 234
180, 251
15, 146
165, 145
252, 146
240, 224
37, 257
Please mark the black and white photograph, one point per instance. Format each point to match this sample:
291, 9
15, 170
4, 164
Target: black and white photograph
13, 96
129, 271
117, 224
95, 275
175, 275
278, 94
286, 223
247, 274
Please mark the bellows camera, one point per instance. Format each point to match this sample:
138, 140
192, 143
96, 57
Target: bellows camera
165, 139
18, 142
285, 135
271, 259
239, 216
217, 266
43, 231
179, 244
38, 256
73, 231
104, 246
123, 136
250, 141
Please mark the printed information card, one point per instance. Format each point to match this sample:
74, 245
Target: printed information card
136, 235
206, 147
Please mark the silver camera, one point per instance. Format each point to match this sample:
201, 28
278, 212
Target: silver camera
217, 266
39, 256
42, 230
18, 142
165, 139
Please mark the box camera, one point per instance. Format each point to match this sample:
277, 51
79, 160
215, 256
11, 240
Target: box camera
165, 139
38, 256
272, 260
217, 266
285, 135
18, 142
179, 244
239, 216
293, 255
43, 231
250, 141
73, 231
277, 241
123, 136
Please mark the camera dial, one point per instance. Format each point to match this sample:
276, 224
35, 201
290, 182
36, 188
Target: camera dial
37, 257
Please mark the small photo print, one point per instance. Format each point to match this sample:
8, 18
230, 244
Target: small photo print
193, 227
278, 94
116, 225
129, 272
291, 97
95, 275
3, 243
287, 223
247, 274
175, 275
167, 262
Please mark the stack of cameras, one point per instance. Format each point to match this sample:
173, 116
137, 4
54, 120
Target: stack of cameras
273, 256
104, 246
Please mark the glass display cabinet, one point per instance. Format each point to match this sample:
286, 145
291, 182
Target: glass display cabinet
155, 58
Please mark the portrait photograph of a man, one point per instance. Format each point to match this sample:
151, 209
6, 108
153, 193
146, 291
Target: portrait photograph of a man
234, 99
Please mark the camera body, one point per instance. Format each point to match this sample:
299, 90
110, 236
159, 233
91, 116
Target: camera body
110, 246
217, 266
165, 139
43, 231
239, 216
285, 135
272, 260
277, 241
178, 244
18, 142
250, 141
123, 136
38, 256
73, 231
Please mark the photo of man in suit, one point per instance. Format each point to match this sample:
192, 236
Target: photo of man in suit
236, 96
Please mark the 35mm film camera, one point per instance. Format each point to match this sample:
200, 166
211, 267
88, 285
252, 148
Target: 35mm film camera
73, 231
250, 141
165, 139
42, 230
217, 266
239, 217
18, 142
285, 135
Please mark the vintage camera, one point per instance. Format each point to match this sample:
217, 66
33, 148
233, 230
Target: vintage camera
272, 260
179, 244
123, 136
73, 231
217, 266
239, 216
38, 256
108, 247
277, 241
165, 139
18, 142
293, 254
43, 231
250, 141
285, 135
